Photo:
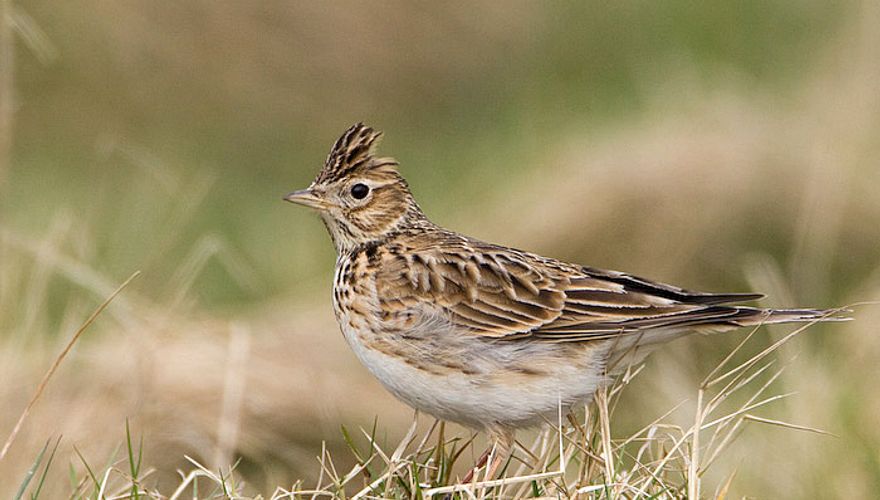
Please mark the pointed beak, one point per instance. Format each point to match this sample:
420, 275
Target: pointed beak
305, 197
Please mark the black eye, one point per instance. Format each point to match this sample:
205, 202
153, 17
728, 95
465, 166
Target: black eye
360, 191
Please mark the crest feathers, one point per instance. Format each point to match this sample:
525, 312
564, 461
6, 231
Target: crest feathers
353, 151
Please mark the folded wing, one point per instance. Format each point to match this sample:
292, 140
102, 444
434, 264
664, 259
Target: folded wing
495, 292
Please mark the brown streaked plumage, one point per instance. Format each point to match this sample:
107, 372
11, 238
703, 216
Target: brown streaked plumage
484, 335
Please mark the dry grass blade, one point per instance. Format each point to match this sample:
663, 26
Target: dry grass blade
386, 476
729, 435
721, 494
745, 409
187, 480
470, 487
605, 433
694, 462
730, 355
45, 381
788, 425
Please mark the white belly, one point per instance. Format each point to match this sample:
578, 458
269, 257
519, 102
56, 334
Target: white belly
513, 383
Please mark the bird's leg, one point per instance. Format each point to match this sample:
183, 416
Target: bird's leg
499, 450
480, 462
503, 440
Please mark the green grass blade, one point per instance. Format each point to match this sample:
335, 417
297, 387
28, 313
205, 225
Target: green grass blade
36, 494
134, 466
351, 445
30, 473
89, 470
536, 490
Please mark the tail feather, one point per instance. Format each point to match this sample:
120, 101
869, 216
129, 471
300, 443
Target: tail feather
749, 316
630, 349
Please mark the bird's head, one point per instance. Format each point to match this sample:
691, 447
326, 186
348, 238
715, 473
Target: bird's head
360, 197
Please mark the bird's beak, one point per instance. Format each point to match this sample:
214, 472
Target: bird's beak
305, 197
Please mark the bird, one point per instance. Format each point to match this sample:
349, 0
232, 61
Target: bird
490, 337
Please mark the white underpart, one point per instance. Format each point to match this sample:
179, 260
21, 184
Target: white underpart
491, 396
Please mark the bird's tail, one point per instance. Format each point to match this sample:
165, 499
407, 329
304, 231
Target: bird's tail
631, 349
751, 316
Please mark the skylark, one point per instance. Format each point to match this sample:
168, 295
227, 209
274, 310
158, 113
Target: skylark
480, 334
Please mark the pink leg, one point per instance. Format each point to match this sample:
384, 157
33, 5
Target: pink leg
480, 462
502, 445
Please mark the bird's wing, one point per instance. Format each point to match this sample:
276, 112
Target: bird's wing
497, 292
493, 294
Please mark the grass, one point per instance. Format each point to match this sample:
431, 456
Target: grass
576, 456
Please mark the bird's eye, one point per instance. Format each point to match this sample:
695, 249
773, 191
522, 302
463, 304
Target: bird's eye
360, 191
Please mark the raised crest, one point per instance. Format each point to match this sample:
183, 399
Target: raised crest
354, 150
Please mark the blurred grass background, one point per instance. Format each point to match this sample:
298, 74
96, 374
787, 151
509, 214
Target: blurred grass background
716, 145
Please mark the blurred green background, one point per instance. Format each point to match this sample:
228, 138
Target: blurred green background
715, 145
